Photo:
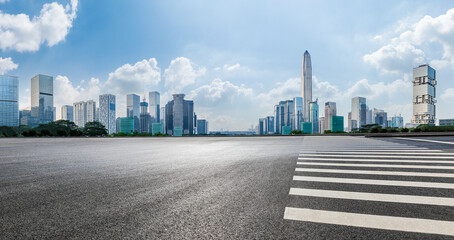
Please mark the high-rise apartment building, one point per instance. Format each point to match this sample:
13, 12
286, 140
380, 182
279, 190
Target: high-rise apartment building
144, 117
330, 110
67, 113
314, 116
424, 93
358, 113
269, 125
154, 106
179, 116
297, 113
133, 109
9, 101
80, 113
306, 84
42, 99
107, 107
91, 111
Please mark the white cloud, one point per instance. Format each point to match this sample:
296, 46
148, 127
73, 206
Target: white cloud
448, 95
405, 50
140, 77
218, 91
19, 32
3, 1
232, 67
380, 90
181, 73
7, 64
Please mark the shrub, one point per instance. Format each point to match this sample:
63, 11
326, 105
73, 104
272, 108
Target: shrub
61, 133
75, 133
375, 130
383, 130
46, 132
404, 130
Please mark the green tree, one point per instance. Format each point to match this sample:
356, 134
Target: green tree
94, 129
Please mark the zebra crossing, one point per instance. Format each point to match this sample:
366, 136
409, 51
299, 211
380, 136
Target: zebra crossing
373, 184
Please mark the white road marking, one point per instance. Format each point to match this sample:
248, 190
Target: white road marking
371, 221
379, 197
370, 156
376, 165
375, 182
425, 140
383, 153
374, 160
366, 172
384, 150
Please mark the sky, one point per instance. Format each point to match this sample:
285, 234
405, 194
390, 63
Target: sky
235, 59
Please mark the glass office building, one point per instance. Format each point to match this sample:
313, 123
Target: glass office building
42, 99
154, 104
314, 116
67, 113
9, 101
336, 123
424, 82
133, 109
127, 125
107, 112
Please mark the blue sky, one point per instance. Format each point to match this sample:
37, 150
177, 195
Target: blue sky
236, 59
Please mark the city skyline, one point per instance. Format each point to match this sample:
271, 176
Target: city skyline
232, 81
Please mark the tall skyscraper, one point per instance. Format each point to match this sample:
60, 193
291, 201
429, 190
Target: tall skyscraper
154, 106
269, 125
80, 113
277, 123
133, 109
107, 112
297, 113
9, 101
144, 117
330, 110
380, 117
424, 82
306, 84
91, 111
67, 113
358, 111
42, 98
179, 116
314, 116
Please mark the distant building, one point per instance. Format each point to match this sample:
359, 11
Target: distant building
297, 113
91, 111
154, 103
261, 126
67, 113
306, 127
80, 113
156, 128
25, 116
127, 125
202, 127
336, 123
321, 124
314, 116
424, 82
446, 122
269, 125
306, 85
179, 116
133, 109
397, 122
144, 117
283, 115
358, 112
42, 99
330, 110
9, 101
162, 115
107, 112
380, 117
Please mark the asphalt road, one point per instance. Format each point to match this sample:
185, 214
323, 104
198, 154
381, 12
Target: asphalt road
210, 188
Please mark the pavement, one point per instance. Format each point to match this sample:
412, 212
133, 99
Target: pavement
338, 187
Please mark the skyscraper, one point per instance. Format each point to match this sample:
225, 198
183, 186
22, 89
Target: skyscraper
314, 116
42, 98
9, 101
91, 111
67, 113
202, 127
397, 122
424, 82
297, 113
321, 125
380, 117
179, 116
133, 109
154, 106
80, 113
107, 112
162, 115
306, 84
144, 117
330, 110
358, 113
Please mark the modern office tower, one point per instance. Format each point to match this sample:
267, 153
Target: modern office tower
306, 127
336, 123
202, 127
133, 109
321, 125
9, 101
269, 125
154, 105
380, 117
446, 122
91, 111
24, 116
277, 124
67, 113
144, 117
162, 115
179, 116
80, 113
117, 125
389, 122
358, 111
297, 112
156, 128
127, 125
397, 122
284, 115
97, 114
261, 126
42, 99
330, 110
306, 84
369, 114
314, 116
107, 112
424, 93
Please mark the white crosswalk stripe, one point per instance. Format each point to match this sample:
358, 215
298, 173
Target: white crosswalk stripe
359, 167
